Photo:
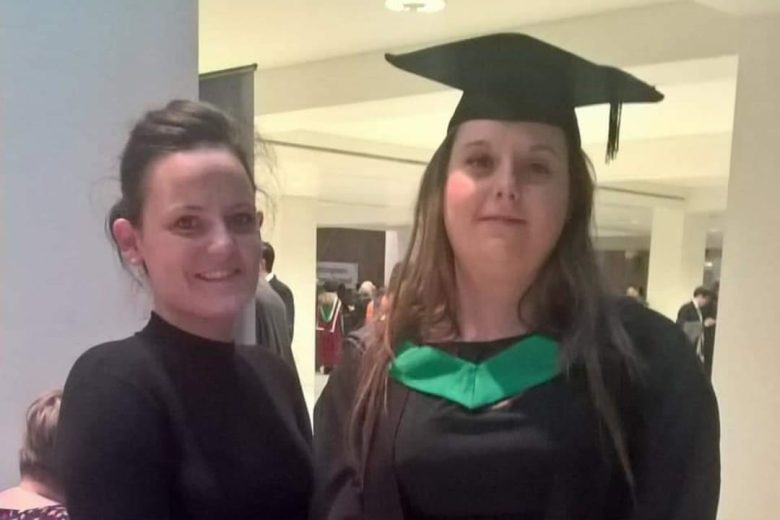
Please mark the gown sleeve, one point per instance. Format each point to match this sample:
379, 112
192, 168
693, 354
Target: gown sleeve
337, 494
675, 451
111, 446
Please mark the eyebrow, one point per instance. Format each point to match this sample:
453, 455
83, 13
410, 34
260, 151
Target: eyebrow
478, 142
242, 205
195, 207
544, 147
188, 207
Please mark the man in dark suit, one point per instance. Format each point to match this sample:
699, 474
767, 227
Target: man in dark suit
284, 292
273, 331
708, 343
693, 321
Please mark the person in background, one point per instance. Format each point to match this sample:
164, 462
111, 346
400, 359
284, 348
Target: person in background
330, 328
271, 325
380, 304
692, 320
373, 309
38, 496
178, 421
365, 296
352, 317
637, 294
269, 259
710, 315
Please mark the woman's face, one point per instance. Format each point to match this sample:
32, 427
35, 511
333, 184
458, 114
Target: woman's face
198, 239
506, 196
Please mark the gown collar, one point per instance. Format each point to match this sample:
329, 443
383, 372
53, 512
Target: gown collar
528, 362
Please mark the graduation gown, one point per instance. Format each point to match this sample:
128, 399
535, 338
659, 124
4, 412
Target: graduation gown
329, 335
543, 456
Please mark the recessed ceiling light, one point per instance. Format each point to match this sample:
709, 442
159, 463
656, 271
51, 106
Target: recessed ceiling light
416, 6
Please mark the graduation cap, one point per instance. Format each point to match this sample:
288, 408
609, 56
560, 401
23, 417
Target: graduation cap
514, 77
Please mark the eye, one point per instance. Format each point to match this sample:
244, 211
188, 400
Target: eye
479, 161
540, 167
244, 221
187, 223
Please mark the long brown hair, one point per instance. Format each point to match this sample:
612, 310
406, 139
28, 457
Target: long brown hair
567, 298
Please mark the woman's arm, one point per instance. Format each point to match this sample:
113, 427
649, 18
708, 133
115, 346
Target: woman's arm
111, 445
676, 449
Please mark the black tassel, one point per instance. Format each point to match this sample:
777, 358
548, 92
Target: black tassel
613, 141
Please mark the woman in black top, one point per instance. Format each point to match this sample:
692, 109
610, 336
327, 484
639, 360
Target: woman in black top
502, 382
177, 421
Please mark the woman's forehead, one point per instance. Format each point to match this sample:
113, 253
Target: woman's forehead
491, 130
199, 173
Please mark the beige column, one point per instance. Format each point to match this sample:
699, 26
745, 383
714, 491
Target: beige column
747, 349
677, 249
75, 75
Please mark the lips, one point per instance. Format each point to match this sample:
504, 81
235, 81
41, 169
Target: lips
502, 219
217, 275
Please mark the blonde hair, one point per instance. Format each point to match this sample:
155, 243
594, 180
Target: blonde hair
37, 457
367, 289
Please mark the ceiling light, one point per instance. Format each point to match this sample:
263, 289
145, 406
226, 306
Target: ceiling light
416, 6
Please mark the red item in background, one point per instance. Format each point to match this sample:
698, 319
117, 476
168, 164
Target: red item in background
330, 332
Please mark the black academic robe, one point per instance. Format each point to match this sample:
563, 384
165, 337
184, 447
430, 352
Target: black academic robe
540, 452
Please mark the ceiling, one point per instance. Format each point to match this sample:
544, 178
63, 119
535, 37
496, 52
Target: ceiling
362, 160
274, 33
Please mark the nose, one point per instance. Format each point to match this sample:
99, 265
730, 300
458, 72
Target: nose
506, 185
221, 241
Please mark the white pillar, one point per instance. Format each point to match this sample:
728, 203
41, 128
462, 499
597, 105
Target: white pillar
747, 350
292, 230
392, 255
75, 75
396, 242
677, 249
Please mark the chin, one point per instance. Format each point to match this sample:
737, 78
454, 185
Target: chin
222, 308
502, 248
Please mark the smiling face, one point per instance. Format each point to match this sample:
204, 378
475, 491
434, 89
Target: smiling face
506, 196
198, 238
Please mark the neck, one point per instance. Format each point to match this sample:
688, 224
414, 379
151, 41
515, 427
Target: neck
488, 307
215, 329
40, 489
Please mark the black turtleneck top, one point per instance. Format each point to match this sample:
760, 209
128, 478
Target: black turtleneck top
168, 425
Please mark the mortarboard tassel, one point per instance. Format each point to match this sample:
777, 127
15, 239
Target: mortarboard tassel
613, 141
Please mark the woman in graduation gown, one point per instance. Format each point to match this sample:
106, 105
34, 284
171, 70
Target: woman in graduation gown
503, 382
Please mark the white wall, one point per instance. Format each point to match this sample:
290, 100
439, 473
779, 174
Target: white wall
677, 249
747, 350
75, 75
396, 243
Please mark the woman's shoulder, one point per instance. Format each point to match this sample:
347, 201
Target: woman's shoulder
655, 337
127, 353
123, 362
667, 361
